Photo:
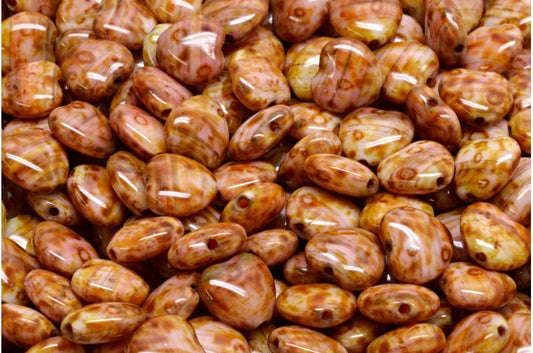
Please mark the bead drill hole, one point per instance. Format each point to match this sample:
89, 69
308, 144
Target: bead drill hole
371, 185
274, 126
326, 315
67, 330
53, 211
440, 181
479, 120
328, 270
501, 330
212, 244
481, 256
459, 48
275, 343
165, 113
432, 102
431, 82
404, 308
243, 202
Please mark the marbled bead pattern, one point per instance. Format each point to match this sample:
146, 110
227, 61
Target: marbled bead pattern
34, 160
519, 336
24, 326
273, 246
409, 29
310, 118
516, 12
83, 128
149, 49
71, 14
170, 11
298, 339
20, 230
56, 344
423, 337
470, 12
27, 37
16, 264
520, 129
216, 336
68, 39
298, 20
357, 333
520, 87
46, 7
296, 270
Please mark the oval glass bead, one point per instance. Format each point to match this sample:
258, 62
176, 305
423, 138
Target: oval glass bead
171, 11
357, 333
296, 270
520, 129
298, 20
216, 336
73, 15
310, 118
56, 344
424, 337
273, 246
298, 339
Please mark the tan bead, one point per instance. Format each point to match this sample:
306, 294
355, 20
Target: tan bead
516, 12
471, 133
310, 118
357, 333
258, 338
409, 29
452, 221
519, 304
520, 129
296, 270
273, 246
216, 336
149, 49
424, 337
24, 326
55, 207
519, 336
171, 10
470, 12
298, 20
297, 339
73, 15
57, 344
20, 229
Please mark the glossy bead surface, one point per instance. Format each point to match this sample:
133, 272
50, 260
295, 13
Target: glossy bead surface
171, 11
311, 210
349, 76
83, 128
369, 135
296, 270
178, 186
32, 90
102, 322
426, 338
239, 291
91, 192
190, 50
207, 245
101, 280
452, 221
470, 287
409, 29
373, 23
298, 20
73, 15
483, 167
310, 118
298, 339
492, 239
197, 129
94, 68
20, 230
519, 336
144, 238
56, 344
216, 336
316, 305
125, 173
520, 129
483, 331
420, 168
24, 326
398, 303
273, 246
60, 249
516, 12
349, 257
357, 333
46, 7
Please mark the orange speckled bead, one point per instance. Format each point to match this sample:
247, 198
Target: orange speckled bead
520, 334
20, 229
101, 280
298, 339
398, 303
452, 221
71, 14
423, 337
409, 29
519, 304
102, 322
46, 7
470, 133
520, 129
516, 12
470, 12
310, 118
349, 257
273, 246
216, 336
57, 344
173, 10
311, 210
296, 21
24, 326
483, 331
357, 333
60, 249
520, 82
471, 287
296, 270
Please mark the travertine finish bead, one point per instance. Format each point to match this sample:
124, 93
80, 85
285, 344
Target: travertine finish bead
255, 207
520, 88
125, 173
140, 131
310, 118
404, 65
91, 192
478, 98
34, 160
446, 317
24, 326
164, 333
298, 20
83, 128
470, 133
158, 91
51, 294
483, 331
291, 171
27, 37
220, 91
296, 270
398, 303
470, 287
420, 168
341, 174
297, 339
494, 240
432, 117
198, 129
357, 333
124, 21
257, 81
234, 177
17, 126
32, 90
60, 249
273, 246
520, 129
452, 221
522, 61
418, 247
57, 344
414, 8
102, 322
68, 39
239, 291
492, 48
304, 67
471, 12
101, 280
520, 304
71, 14
173, 10
149, 49
349, 257
445, 31
514, 198
423, 337
258, 338
520, 333
20, 229
311, 210
178, 186
373, 23
94, 68
216, 336
207, 245
316, 305
125, 94
483, 167
46, 7
409, 30
176, 296
144, 239
369, 135
516, 12
349, 76
261, 132
190, 50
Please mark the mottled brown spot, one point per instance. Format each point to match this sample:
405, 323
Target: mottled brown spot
478, 157
446, 254
495, 97
85, 56
273, 126
474, 271
141, 120
481, 256
203, 71
479, 120
358, 135
406, 173
212, 244
84, 254
299, 12
53, 211
433, 102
